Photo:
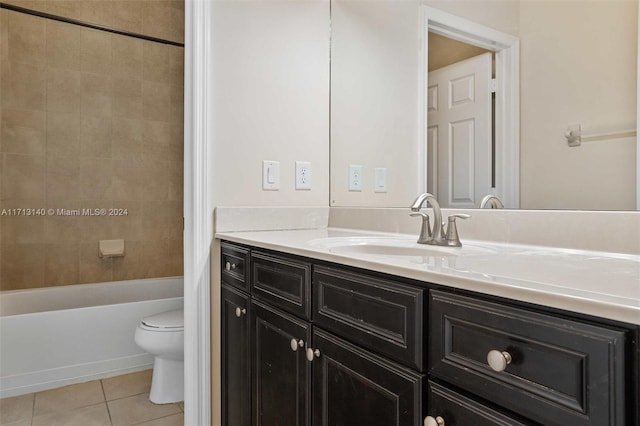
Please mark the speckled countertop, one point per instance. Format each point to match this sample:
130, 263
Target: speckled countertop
601, 284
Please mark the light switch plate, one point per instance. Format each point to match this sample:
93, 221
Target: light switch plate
380, 179
270, 175
303, 175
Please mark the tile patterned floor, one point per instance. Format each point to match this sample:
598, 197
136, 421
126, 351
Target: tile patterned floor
117, 401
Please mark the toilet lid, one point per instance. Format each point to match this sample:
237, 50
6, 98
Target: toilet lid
165, 320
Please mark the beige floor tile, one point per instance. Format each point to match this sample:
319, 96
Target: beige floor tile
68, 398
175, 420
16, 408
181, 405
95, 415
137, 409
127, 385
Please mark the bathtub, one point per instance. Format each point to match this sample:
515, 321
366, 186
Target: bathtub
56, 336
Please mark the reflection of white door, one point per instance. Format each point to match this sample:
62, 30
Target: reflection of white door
459, 132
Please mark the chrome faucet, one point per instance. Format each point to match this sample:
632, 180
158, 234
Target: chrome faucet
426, 236
492, 201
436, 237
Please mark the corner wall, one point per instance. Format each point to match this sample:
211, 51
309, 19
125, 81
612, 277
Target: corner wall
271, 99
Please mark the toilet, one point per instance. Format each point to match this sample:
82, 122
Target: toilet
162, 335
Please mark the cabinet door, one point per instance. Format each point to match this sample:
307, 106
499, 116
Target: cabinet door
281, 373
352, 386
235, 358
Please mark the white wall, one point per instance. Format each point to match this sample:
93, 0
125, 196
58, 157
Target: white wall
578, 65
271, 91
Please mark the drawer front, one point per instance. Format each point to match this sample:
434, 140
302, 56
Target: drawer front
458, 410
234, 264
561, 372
283, 282
384, 316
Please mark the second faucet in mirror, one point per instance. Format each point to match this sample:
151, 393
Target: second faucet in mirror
492, 202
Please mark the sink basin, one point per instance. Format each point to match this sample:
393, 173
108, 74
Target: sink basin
392, 246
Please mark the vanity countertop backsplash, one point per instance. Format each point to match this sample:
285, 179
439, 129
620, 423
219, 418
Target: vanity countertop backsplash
601, 283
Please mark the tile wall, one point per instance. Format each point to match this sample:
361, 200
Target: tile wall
90, 120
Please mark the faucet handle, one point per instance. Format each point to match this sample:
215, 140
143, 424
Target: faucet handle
425, 231
452, 238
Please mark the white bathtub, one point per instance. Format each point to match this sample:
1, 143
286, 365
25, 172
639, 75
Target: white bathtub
56, 336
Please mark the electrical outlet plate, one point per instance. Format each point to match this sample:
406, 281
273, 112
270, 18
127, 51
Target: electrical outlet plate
270, 175
355, 177
303, 175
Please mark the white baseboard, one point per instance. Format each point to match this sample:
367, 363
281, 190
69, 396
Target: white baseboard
36, 381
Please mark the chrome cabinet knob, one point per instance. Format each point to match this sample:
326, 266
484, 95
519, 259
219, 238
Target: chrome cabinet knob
295, 344
312, 353
229, 266
498, 360
240, 311
433, 421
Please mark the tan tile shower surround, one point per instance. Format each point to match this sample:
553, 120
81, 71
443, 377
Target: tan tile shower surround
91, 120
117, 401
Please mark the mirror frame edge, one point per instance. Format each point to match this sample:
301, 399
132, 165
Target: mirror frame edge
638, 116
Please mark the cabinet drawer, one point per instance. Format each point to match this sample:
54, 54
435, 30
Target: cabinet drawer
283, 282
384, 316
234, 264
458, 410
561, 372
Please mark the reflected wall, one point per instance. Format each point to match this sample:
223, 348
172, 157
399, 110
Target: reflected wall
578, 65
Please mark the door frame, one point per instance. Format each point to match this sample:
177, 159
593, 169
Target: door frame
198, 212
507, 111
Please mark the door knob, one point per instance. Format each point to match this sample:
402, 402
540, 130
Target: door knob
295, 344
240, 311
498, 360
312, 353
433, 421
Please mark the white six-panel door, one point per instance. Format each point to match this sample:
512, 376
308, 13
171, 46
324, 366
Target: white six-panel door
459, 132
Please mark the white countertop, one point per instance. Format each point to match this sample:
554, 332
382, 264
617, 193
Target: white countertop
601, 284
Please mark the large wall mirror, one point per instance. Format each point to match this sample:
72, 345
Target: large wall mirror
577, 66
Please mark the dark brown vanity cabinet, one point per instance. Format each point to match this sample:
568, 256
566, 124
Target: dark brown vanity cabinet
320, 344
303, 374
